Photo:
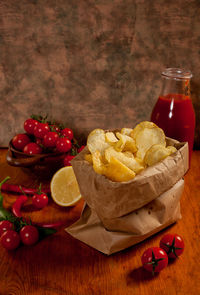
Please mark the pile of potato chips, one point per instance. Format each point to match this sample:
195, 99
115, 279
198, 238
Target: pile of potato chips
120, 156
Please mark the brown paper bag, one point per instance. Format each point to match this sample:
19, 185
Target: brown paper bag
130, 229
113, 205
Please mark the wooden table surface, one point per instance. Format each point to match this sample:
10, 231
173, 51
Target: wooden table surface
60, 264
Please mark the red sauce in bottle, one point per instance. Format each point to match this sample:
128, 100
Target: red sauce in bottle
174, 113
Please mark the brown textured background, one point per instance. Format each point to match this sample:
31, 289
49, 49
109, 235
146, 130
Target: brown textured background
91, 63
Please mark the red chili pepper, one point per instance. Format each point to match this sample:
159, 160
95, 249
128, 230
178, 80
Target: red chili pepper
16, 210
18, 189
50, 225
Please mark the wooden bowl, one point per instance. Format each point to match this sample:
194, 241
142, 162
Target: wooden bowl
43, 162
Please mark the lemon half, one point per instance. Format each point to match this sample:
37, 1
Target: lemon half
64, 187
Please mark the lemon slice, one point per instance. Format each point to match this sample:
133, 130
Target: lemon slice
64, 187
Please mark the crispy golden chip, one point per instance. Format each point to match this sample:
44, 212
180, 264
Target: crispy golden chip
128, 154
147, 137
97, 162
155, 154
126, 131
96, 141
116, 171
128, 161
88, 157
121, 155
141, 126
172, 149
110, 137
125, 143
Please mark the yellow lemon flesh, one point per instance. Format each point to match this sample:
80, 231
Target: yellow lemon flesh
64, 187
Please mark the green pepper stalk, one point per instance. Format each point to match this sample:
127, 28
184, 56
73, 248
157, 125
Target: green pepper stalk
4, 214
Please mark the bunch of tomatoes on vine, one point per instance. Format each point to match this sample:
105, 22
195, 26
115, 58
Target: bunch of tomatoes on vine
43, 136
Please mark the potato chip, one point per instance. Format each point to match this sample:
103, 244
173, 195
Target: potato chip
117, 171
128, 154
125, 143
121, 155
155, 154
96, 141
130, 162
110, 137
126, 131
141, 126
88, 158
97, 162
147, 137
172, 149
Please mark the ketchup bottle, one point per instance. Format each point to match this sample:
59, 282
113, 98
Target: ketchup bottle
173, 111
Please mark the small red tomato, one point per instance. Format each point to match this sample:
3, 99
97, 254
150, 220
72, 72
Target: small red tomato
50, 139
29, 235
20, 140
68, 133
41, 129
29, 125
10, 240
154, 259
40, 200
38, 141
67, 160
63, 145
81, 148
5, 225
54, 128
32, 148
173, 245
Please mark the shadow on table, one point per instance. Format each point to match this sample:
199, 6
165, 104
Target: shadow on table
139, 275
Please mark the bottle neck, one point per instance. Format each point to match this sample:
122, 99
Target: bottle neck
179, 88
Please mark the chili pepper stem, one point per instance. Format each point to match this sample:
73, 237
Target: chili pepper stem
2, 182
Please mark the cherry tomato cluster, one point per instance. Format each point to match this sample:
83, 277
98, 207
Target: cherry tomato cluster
39, 201
11, 238
42, 135
17, 229
155, 259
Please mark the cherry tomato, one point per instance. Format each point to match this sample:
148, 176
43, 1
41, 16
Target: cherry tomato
50, 139
20, 140
173, 245
68, 133
54, 128
32, 148
63, 145
81, 148
41, 129
67, 160
38, 141
10, 239
154, 259
29, 125
40, 200
29, 235
5, 225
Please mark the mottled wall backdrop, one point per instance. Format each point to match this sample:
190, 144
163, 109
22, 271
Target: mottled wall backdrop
93, 63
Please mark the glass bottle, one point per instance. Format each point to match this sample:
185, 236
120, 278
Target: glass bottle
173, 111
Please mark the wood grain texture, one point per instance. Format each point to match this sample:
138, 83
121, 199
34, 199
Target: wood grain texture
61, 265
90, 63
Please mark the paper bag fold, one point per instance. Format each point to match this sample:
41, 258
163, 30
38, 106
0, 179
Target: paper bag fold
130, 229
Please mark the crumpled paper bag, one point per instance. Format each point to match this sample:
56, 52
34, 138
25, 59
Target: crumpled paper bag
130, 229
118, 215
